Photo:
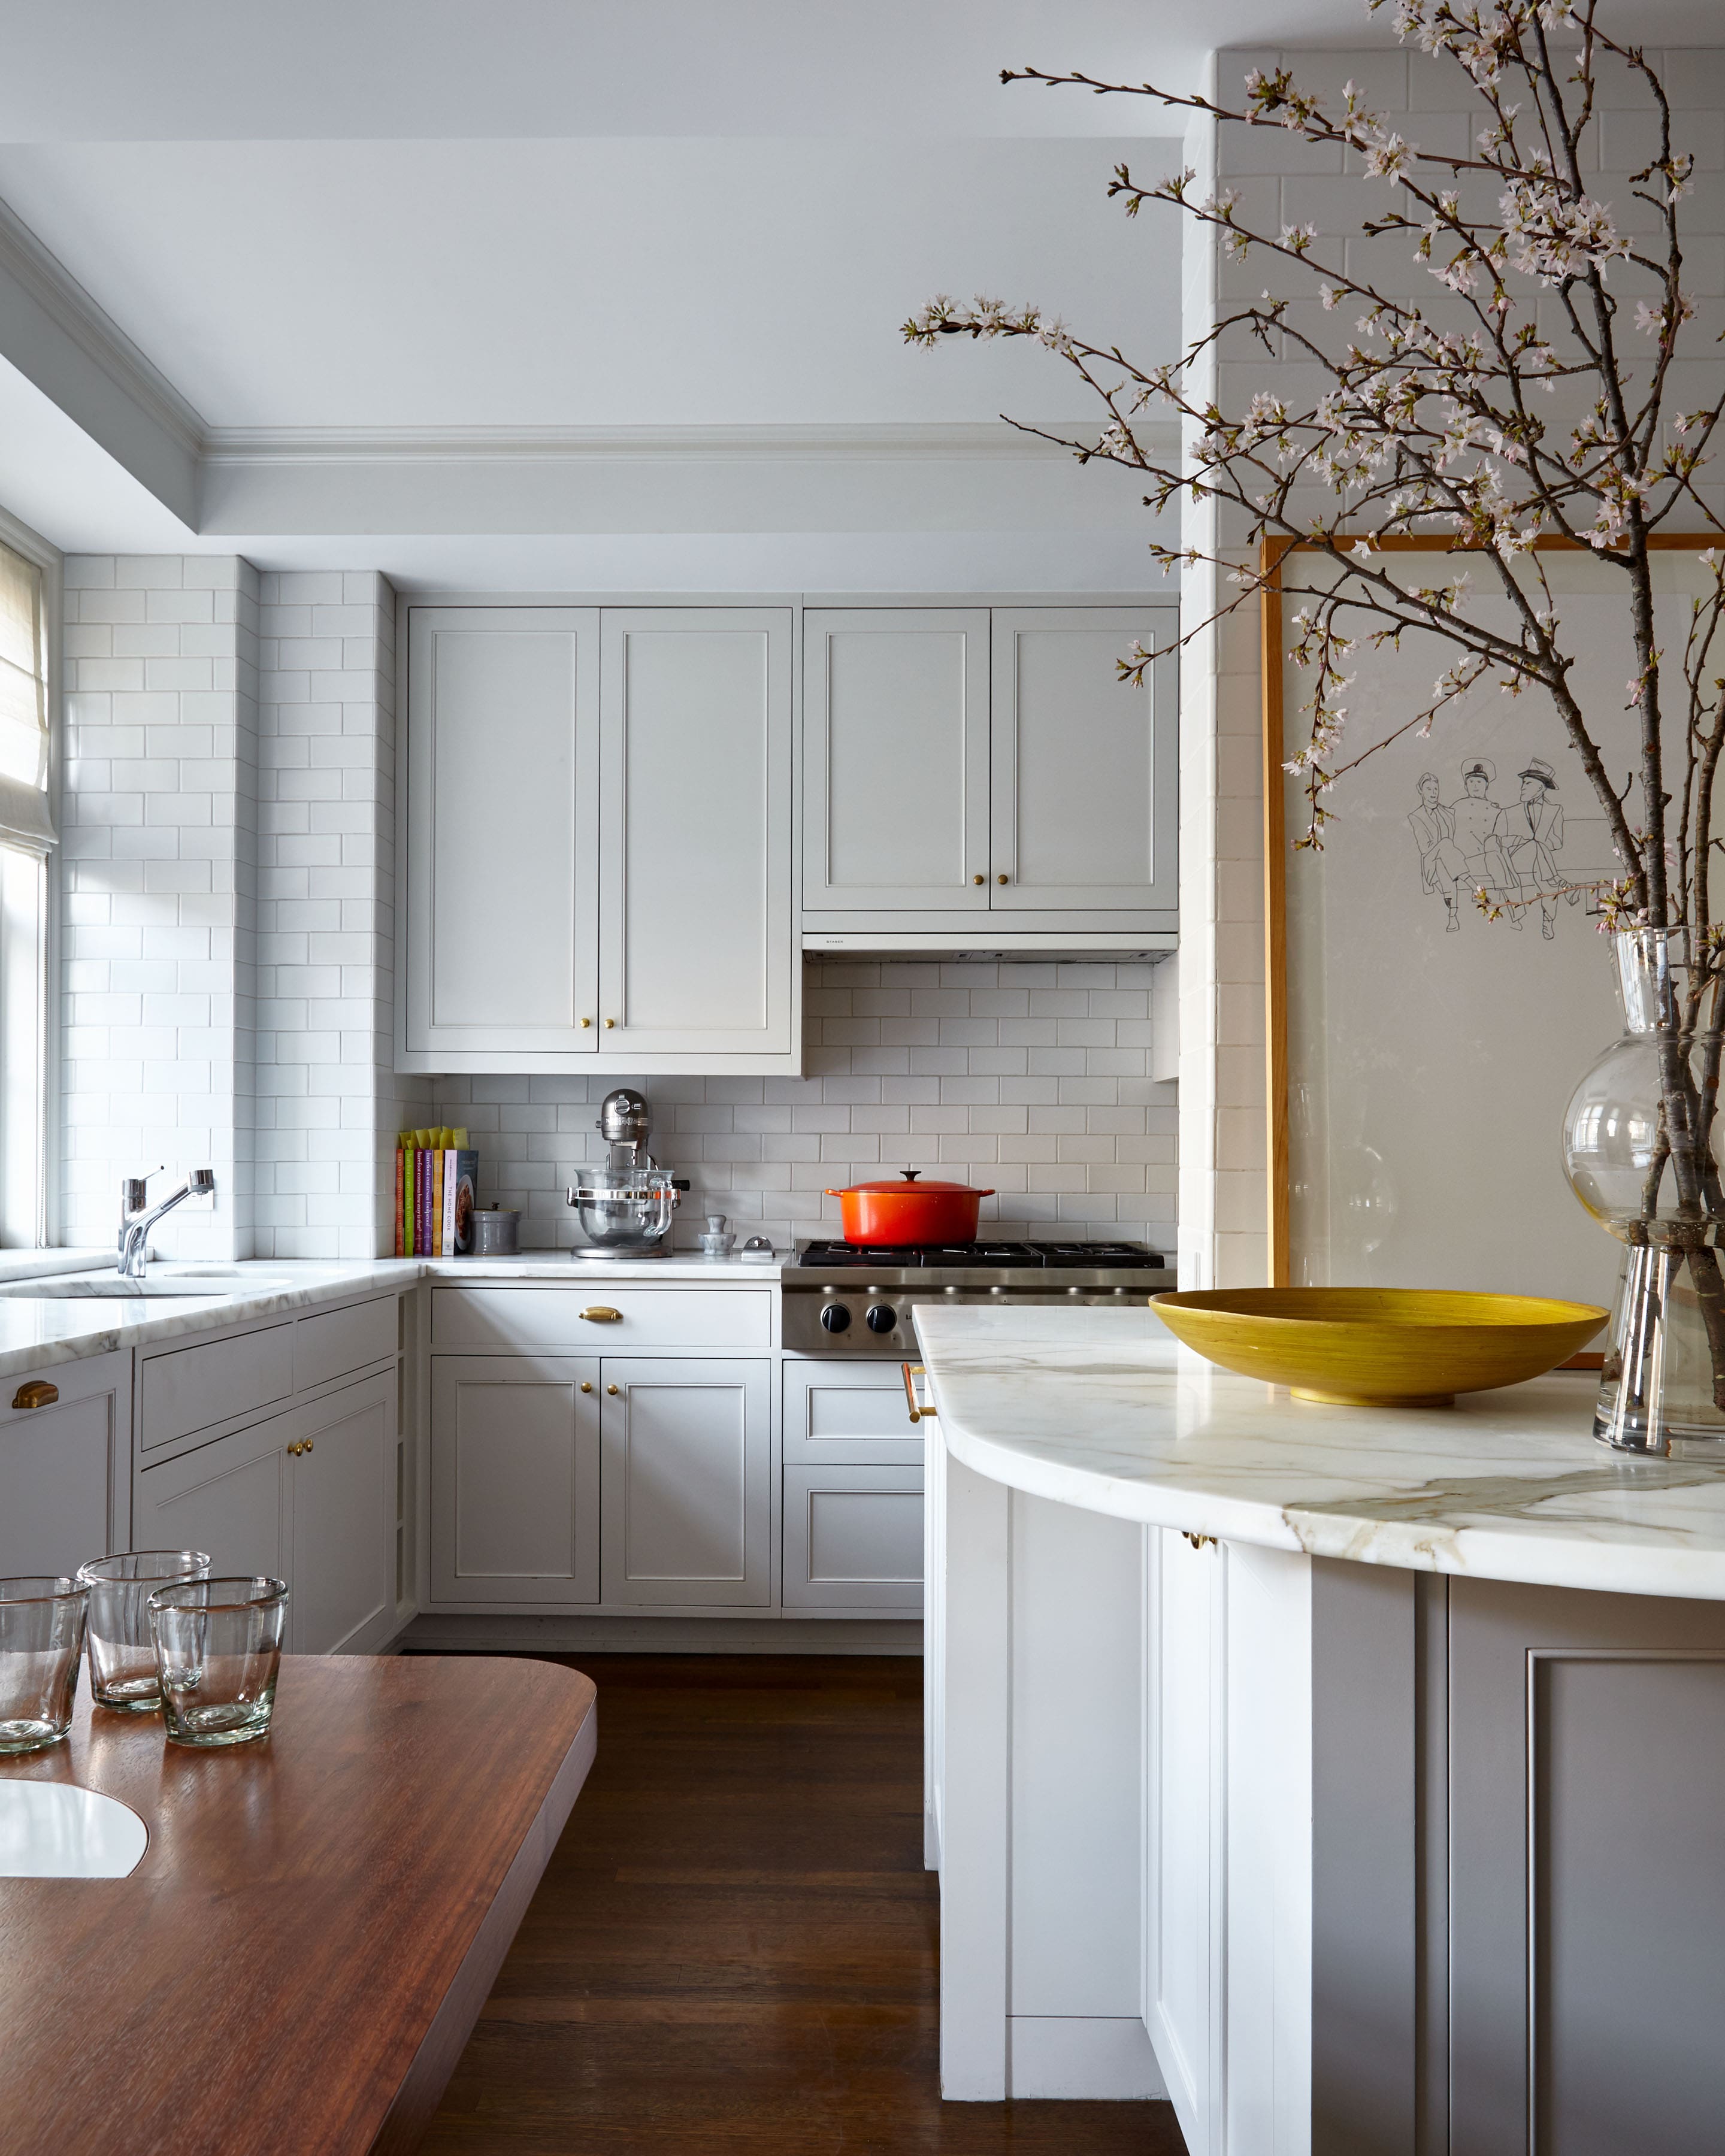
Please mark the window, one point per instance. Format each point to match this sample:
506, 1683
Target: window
26, 837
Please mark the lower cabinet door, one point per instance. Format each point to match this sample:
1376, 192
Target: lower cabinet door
515, 1479
232, 1498
849, 1414
65, 1466
688, 1493
853, 1539
342, 1482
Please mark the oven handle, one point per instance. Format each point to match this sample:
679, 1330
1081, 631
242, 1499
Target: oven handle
913, 1371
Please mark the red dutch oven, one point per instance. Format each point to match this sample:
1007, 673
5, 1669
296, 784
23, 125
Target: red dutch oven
909, 1211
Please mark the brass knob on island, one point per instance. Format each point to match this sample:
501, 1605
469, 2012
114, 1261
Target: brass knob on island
308, 1444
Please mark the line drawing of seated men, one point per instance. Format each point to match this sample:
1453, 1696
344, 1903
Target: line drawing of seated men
1474, 815
1531, 831
1442, 867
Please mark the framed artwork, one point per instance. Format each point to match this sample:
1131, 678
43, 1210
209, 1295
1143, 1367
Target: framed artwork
1421, 1051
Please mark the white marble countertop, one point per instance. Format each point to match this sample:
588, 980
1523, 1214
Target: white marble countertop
37, 1332
1105, 1410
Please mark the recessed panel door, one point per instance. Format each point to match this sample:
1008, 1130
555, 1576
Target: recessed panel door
66, 1468
895, 758
500, 937
232, 1498
695, 931
1083, 766
853, 1539
688, 1499
515, 1479
343, 1480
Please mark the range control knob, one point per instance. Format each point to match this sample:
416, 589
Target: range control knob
836, 1317
881, 1317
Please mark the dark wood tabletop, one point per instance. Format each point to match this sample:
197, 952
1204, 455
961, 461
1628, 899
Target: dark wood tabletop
305, 1945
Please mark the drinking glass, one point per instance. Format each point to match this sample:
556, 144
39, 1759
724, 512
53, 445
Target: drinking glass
122, 1654
41, 1639
218, 1650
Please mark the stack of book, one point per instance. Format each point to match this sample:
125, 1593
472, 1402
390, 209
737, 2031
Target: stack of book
436, 1180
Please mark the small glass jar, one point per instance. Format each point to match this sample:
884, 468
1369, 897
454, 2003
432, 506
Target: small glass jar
218, 1654
42, 1620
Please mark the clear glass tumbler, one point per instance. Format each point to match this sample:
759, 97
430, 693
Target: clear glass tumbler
41, 1639
122, 1654
217, 1650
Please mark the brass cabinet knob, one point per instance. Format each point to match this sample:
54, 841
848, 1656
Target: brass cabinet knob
602, 1314
36, 1393
293, 1452
585, 1022
609, 1022
979, 879
1000, 878
612, 1390
308, 1444
585, 1387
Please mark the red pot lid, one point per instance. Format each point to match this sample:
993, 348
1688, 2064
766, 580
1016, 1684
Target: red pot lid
910, 1179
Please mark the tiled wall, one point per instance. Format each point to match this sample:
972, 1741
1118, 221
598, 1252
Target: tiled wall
159, 819
327, 1094
1032, 1079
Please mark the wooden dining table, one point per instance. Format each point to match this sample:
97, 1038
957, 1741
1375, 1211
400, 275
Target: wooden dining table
296, 1961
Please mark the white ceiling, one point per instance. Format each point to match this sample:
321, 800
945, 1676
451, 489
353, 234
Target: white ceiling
628, 283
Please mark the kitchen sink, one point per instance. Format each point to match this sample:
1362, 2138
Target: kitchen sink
193, 1281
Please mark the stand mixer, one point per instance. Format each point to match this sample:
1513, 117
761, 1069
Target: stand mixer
625, 1207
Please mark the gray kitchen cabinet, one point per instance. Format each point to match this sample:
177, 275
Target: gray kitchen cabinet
696, 954
65, 1466
515, 1479
687, 1482
989, 761
306, 1496
500, 942
895, 758
853, 1539
596, 872
1083, 770
848, 1415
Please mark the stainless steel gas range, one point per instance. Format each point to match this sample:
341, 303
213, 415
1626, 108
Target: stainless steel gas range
844, 1300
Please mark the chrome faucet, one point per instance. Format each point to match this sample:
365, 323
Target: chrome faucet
137, 1219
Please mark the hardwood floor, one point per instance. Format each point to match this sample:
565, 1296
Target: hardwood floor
734, 1947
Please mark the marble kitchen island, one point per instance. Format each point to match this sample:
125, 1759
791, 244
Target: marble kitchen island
1352, 1776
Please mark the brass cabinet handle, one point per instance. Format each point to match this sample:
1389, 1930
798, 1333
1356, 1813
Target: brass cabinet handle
913, 1371
609, 1022
602, 1314
36, 1393
1199, 1542
979, 879
308, 1444
585, 1387
293, 1452
612, 1390
1000, 878
585, 1022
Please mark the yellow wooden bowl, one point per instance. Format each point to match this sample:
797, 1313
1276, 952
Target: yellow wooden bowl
1379, 1347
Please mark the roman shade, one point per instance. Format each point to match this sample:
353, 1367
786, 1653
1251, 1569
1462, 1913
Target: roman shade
24, 817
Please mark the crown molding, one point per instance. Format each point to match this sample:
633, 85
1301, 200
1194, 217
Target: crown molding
95, 333
967, 440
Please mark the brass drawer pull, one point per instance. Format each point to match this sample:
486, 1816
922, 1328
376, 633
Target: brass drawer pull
913, 1371
602, 1314
1199, 1542
36, 1393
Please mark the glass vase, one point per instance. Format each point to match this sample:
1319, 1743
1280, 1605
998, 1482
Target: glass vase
1642, 1150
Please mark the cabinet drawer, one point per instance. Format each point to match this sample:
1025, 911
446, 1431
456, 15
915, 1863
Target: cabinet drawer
191, 1389
853, 1539
647, 1317
330, 1345
849, 1412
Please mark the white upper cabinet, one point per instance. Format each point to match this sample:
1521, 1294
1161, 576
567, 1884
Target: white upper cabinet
989, 761
501, 929
696, 954
597, 863
1083, 778
895, 772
